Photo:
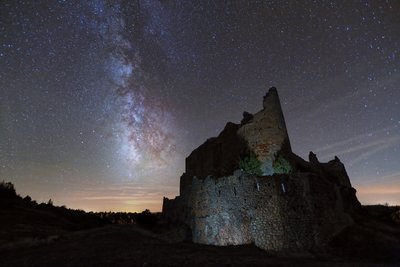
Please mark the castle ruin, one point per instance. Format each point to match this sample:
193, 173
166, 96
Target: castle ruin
224, 205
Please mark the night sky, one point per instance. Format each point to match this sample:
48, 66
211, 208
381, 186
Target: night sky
101, 101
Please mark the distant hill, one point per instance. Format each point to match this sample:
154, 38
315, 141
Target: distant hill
25, 219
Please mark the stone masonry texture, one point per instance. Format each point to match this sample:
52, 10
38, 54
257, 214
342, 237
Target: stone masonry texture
222, 205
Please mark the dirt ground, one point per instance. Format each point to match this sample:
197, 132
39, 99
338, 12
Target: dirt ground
44, 235
129, 245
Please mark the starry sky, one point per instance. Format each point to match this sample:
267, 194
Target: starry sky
101, 101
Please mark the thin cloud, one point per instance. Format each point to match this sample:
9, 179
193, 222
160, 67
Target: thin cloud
376, 145
350, 140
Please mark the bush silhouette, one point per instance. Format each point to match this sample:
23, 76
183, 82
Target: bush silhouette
146, 219
8, 196
7, 190
27, 199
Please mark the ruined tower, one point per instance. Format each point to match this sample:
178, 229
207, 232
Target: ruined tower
223, 205
265, 134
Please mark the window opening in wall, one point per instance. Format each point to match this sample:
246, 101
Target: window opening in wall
219, 193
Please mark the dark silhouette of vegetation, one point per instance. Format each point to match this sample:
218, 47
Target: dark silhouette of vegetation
61, 217
7, 190
386, 213
70, 219
145, 219
8, 195
117, 217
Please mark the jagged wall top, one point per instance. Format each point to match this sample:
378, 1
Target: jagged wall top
263, 133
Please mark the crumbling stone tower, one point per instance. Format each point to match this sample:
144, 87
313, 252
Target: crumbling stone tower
265, 133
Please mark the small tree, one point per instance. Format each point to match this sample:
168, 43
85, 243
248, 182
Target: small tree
7, 190
146, 219
50, 202
281, 165
251, 164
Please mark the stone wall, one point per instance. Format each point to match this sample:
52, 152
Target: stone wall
274, 212
218, 156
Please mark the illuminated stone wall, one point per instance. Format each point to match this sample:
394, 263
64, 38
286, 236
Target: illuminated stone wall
274, 212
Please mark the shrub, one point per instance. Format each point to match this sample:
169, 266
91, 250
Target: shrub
7, 190
146, 219
250, 164
281, 165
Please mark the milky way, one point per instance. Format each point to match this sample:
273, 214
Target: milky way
101, 101
145, 127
